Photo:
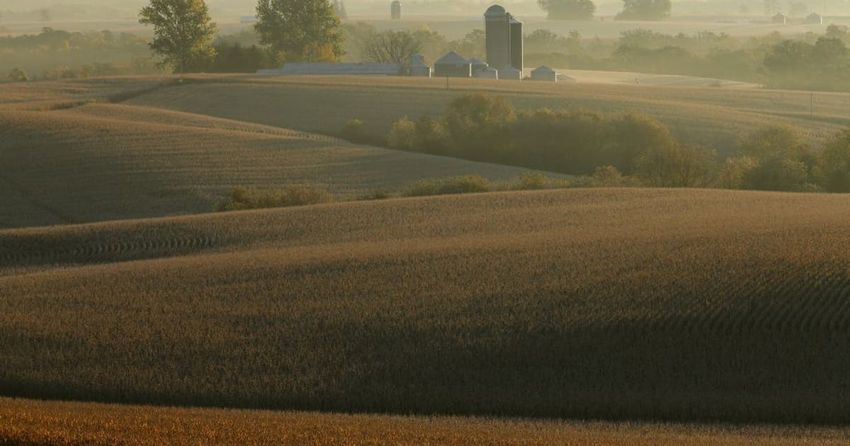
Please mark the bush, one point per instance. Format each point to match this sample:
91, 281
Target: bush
355, 131
735, 170
469, 184
834, 164
18, 75
403, 135
242, 198
675, 166
778, 174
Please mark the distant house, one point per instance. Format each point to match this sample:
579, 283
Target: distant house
814, 19
361, 69
452, 65
779, 19
544, 73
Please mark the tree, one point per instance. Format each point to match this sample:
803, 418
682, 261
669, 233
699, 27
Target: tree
645, 10
478, 124
18, 75
675, 166
300, 30
568, 9
834, 164
395, 47
183, 32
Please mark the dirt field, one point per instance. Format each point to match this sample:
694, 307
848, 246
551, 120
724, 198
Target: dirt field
34, 422
625, 304
709, 116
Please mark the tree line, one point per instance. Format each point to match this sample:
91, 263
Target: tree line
585, 9
630, 148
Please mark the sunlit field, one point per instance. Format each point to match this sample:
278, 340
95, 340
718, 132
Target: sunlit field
32, 422
608, 303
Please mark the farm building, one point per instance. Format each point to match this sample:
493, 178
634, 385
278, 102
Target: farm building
418, 67
814, 19
488, 73
510, 73
395, 10
368, 69
477, 65
544, 73
779, 19
503, 39
452, 65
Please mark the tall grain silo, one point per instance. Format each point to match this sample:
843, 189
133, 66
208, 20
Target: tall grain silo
497, 26
517, 47
395, 10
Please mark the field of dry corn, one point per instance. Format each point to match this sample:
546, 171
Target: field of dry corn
70, 152
35, 422
713, 117
609, 303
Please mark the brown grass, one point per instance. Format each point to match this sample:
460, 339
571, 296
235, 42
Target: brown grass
44, 423
709, 116
611, 303
105, 161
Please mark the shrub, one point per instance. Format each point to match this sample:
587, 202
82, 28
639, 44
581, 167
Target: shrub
18, 75
403, 135
734, 171
533, 181
469, 184
834, 164
355, 131
675, 166
778, 174
243, 198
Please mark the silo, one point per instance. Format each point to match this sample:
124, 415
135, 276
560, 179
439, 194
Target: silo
498, 29
395, 10
517, 47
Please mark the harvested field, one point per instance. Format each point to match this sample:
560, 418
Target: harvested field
98, 161
34, 422
713, 117
609, 303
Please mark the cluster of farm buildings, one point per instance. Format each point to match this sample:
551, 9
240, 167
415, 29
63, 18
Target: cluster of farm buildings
505, 57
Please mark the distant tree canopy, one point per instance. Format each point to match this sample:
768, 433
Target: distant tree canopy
18, 75
183, 32
391, 47
300, 30
568, 9
645, 10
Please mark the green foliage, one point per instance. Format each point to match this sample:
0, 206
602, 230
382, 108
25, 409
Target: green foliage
568, 9
18, 75
734, 170
675, 165
355, 131
300, 30
234, 58
183, 32
396, 47
242, 198
479, 123
645, 10
778, 174
469, 184
834, 164
402, 135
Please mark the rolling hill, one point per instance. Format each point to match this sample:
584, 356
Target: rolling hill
71, 153
608, 303
712, 117
43, 423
